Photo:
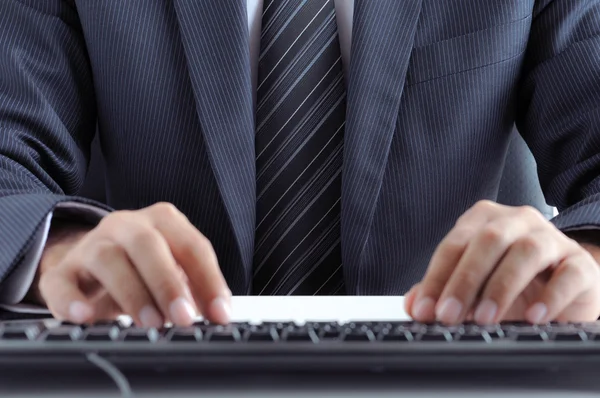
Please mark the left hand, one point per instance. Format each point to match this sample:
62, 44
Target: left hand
507, 263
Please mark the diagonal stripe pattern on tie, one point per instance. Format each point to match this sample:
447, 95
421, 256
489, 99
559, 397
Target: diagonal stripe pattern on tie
300, 117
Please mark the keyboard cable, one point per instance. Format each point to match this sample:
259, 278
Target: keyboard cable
113, 372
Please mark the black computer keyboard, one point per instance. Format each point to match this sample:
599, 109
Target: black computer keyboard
376, 345
289, 332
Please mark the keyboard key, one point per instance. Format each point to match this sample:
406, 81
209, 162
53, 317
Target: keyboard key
21, 332
109, 323
380, 327
329, 332
101, 333
316, 325
241, 326
439, 336
517, 323
261, 334
531, 336
63, 333
184, 334
472, 337
67, 323
407, 324
223, 334
396, 336
588, 326
299, 335
440, 329
141, 335
570, 336
362, 334
493, 332
560, 328
279, 326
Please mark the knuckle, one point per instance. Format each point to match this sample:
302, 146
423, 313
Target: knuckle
467, 279
457, 239
166, 289
133, 300
577, 271
530, 213
144, 236
166, 209
552, 298
115, 220
453, 246
500, 289
493, 234
485, 206
199, 246
103, 252
461, 233
529, 246
433, 286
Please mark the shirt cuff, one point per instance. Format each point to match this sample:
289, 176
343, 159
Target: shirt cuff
14, 288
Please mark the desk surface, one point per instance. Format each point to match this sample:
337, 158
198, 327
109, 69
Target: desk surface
318, 308
300, 309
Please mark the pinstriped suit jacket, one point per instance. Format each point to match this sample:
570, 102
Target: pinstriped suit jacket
434, 90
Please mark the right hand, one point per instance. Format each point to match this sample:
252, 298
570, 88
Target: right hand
151, 264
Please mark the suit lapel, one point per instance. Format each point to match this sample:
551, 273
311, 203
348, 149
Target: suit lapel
215, 40
382, 40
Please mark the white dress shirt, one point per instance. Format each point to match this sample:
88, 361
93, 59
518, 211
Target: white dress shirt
15, 287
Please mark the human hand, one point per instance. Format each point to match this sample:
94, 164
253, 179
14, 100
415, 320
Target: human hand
507, 263
151, 264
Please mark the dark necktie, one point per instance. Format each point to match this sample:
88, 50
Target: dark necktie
300, 121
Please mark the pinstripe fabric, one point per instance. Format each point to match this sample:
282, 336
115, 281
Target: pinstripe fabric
434, 92
300, 117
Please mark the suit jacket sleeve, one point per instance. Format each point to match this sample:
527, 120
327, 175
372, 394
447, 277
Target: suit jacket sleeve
559, 108
47, 121
15, 287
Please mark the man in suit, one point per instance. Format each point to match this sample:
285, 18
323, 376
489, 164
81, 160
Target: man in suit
298, 147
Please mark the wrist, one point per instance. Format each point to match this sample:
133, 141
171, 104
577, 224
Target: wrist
63, 235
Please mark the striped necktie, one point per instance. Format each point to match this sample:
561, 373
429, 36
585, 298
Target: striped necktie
300, 119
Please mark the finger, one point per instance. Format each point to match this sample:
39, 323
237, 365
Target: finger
188, 292
526, 258
151, 255
194, 252
409, 299
105, 307
60, 291
444, 260
570, 280
110, 265
484, 211
480, 258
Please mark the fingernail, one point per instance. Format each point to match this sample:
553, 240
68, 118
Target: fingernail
424, 308
150, 317
220, 309
79, 312
449, 311
182, 312
536, 313
486, 312
190, 298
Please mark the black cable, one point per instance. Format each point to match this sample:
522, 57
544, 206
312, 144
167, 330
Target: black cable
113, 372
